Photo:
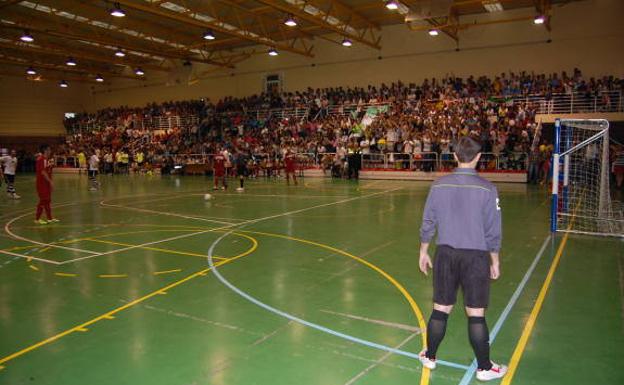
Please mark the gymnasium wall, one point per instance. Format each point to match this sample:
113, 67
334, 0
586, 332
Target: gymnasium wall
31, 109
586, 34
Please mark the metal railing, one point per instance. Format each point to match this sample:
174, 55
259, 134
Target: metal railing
562, 103
162, 122
66, 161
576, 102
303, 112
424, 161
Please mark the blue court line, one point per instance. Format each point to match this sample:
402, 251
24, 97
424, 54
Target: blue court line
310, 324
503, 317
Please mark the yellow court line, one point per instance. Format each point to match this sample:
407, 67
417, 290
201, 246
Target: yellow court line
110, 314
69, 241
34, 267
65, 274
425, 375
537, 307
424, 379
113, 276
149, 248
528, 327
167, 271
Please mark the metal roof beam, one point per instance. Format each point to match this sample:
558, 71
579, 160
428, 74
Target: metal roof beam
78, 70
211, 21
104, 39
58, 50
329, 19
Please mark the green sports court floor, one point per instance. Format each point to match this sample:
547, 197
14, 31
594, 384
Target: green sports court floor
316, 284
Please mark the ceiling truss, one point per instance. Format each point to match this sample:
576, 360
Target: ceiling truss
162, 35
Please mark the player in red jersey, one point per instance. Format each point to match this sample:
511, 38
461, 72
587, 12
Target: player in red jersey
44, 186
219, 170
290, 162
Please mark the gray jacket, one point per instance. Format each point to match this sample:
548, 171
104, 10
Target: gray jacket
464, 208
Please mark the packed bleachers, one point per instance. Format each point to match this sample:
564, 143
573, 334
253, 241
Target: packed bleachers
401, 126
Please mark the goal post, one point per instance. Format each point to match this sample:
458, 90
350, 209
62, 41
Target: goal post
581, 198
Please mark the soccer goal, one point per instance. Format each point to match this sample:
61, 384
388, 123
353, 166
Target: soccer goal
581, 198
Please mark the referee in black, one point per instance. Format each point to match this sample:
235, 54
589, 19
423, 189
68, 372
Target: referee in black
464, 209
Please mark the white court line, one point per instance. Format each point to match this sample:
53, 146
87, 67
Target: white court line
7, 229
108, 205
309, 324
372, 366
30, 211
389, 324
503, 317
279, 195
30, 257
227, 226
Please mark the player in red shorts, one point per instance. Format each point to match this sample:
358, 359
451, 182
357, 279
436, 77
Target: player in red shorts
219, 170
290, 162
44, 186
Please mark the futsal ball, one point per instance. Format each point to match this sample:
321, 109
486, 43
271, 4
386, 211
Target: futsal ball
207, 197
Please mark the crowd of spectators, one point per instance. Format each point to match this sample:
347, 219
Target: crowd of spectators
421, 121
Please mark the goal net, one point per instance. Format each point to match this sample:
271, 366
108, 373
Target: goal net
581, 195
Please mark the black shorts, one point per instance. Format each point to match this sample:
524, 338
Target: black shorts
92, 174
241, 171
10, 179
469, 269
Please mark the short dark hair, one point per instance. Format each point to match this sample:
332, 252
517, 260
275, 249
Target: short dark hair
43, 147
467, 149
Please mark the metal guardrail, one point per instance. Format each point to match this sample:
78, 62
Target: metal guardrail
576, 102
563, 103
163, 122
66, 162
303, 112
424, 161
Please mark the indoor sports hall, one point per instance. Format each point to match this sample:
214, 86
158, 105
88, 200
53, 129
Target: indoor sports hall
238, 192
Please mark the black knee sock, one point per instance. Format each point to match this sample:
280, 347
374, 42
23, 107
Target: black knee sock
480, 340
436, 328
242, 181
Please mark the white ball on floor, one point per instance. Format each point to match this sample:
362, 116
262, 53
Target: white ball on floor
240, 189
207, 197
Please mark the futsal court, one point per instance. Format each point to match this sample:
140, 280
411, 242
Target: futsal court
146, 282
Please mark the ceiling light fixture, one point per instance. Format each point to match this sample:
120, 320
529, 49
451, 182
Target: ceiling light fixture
99, 78
63, 84
346, 42
273, 52
434, 32
117, 11
31, 71
27, 37
290, 21
392, 5
71, 62
208, 35
120, 53
139, 71
540, 19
